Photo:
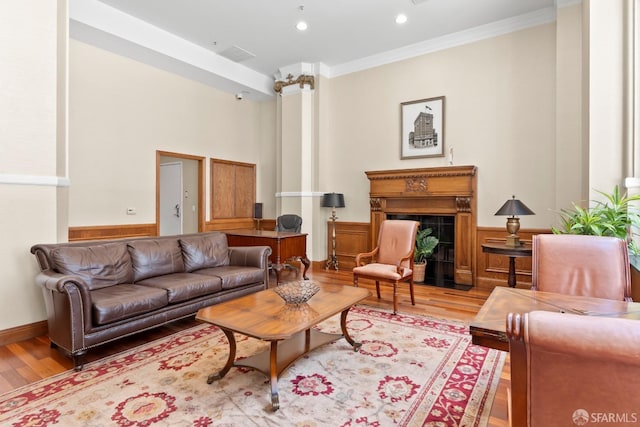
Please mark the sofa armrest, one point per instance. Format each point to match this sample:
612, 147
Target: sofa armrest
250, 256
68, 304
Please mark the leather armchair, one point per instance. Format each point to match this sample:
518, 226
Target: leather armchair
392, 259
593, 266
566, 368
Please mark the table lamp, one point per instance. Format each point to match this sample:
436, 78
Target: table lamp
333, 200
512, 208
257, 213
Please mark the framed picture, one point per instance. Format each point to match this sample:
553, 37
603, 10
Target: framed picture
422, 128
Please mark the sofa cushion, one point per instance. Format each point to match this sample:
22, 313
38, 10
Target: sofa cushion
153, 257
208, 250
126, 300
99, 266
234, 276
184, 286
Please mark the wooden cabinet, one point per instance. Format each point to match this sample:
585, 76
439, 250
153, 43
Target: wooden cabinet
449, 190
233, 189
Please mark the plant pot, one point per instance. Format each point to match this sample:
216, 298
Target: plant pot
418, 271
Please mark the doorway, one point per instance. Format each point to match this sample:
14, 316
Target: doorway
179, 193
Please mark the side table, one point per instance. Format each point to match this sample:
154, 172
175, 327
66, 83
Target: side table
512, 252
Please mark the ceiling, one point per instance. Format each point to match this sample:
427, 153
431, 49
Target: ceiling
342, 36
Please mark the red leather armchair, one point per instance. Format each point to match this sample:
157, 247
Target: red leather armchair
566, 369
392, 259
592, 266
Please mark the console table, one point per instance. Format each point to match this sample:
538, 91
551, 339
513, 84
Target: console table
512, 253
285, 245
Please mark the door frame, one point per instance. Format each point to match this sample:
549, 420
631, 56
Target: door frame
201, 207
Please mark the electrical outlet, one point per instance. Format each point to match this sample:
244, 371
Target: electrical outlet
131, 211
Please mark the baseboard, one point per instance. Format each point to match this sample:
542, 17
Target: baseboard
24, 332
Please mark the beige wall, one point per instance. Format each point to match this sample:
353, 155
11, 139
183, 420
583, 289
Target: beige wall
31, 113
500, 116
504, 99
123, 111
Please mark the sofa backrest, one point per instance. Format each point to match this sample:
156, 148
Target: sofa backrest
106, 262
155, 257
204, 251
99, 266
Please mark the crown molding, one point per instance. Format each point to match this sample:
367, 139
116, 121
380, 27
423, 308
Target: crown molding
565, 3
505, 26
101, 25
106, 27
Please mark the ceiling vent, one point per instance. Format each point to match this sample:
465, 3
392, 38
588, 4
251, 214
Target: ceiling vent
236, 54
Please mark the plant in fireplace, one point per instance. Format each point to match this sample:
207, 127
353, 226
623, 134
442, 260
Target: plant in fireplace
425, 245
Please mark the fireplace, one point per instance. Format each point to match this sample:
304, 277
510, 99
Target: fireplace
440, 267
446, 195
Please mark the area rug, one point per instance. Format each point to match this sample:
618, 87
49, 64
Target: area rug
410, 371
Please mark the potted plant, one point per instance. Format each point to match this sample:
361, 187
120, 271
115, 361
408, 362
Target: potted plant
425, 244
613, 217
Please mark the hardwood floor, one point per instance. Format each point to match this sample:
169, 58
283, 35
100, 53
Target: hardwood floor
28, 361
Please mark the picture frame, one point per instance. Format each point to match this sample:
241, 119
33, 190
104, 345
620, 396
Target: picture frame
422, 128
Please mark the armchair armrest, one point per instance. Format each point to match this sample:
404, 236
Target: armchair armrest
370, 255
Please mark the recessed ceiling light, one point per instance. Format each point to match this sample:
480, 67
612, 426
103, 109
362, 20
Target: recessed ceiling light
301, 26
401, 19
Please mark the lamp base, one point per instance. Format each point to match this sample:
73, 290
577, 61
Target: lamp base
332, 262
513, 241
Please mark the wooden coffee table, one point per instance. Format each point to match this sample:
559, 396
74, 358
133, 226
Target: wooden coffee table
288, 328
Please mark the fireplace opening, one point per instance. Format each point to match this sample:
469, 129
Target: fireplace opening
441, 265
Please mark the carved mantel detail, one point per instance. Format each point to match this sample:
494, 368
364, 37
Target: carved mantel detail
376, 204
416, 185
463, 204
301, 80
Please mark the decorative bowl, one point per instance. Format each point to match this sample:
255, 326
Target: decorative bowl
297, 292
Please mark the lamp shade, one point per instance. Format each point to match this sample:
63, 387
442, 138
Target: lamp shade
514, 207
332, 200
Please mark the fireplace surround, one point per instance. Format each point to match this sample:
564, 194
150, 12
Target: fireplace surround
440, 191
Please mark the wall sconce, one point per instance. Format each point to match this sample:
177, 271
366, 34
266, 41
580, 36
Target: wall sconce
512, 208
333, 200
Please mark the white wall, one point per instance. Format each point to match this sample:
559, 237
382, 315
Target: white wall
30, 117
500, 116
122, 111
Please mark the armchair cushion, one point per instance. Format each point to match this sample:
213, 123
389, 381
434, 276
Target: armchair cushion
383, 271
98, 266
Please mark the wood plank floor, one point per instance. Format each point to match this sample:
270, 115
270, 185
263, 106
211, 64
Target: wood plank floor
28, 361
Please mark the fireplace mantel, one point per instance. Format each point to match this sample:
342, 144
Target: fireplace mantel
448, 190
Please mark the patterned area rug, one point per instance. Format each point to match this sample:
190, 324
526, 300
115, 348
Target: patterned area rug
410, 371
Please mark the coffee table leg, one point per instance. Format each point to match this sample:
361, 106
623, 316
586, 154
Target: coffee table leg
343, 325
273, 379
230, 360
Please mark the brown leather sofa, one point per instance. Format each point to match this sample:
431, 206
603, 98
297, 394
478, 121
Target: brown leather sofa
569, 369
99, 291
